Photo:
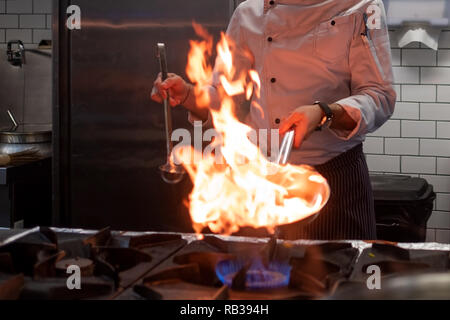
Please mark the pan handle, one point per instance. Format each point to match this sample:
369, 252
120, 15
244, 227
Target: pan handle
286, 147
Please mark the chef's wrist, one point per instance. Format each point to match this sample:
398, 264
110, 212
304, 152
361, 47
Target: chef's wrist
189, 97
336, 109
326, 115
187, 93
319, 109
190, 104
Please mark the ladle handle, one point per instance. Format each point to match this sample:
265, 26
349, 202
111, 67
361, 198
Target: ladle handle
13, 119
167, 111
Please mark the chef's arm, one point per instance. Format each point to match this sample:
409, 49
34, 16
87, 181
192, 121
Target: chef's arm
305, 119
178, 91
198, 112
373, 96
341, 119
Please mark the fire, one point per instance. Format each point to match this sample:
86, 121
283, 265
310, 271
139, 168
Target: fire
241, 189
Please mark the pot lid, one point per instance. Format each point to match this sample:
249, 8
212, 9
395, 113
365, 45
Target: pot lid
399, 188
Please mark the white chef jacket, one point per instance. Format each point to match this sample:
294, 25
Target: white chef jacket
316, 50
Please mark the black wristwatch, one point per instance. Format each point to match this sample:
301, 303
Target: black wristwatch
326, 121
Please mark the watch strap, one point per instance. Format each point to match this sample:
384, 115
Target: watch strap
328, 114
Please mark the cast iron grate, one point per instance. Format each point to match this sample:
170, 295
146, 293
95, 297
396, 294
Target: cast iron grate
35, 266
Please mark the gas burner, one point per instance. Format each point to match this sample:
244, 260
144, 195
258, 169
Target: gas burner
123, 266
35, 265
393, 261
10, 286
253, 275
216, 269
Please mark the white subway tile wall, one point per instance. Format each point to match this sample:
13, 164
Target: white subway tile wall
418, 165
32, 21
443, 93
374, 145
444, 40
19, 6
443, 167
396, 57
443, 130
435, 75
418, 93
418, 57
26, 20
416, 141
442, 236
418, 129
390, 129
406, 74
383, 163
401, 146
407, 111
435, 147
444, 58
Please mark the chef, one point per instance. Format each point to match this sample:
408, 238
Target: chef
326, 73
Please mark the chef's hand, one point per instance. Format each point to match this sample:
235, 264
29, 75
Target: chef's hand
304, 120
177, 88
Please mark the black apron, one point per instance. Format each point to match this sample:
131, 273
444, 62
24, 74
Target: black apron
349, 213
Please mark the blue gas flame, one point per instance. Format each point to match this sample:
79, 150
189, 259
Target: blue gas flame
275, 275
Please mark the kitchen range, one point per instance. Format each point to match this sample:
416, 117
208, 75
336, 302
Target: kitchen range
170, 266
233, 195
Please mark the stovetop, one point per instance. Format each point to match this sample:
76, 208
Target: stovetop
167, 266
35, 266
191, 272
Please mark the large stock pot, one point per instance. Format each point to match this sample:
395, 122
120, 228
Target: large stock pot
26, 137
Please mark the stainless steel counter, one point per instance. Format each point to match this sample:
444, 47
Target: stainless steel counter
361, 245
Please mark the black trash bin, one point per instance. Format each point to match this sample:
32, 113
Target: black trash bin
403, 205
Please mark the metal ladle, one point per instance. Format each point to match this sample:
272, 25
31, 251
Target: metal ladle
170, 172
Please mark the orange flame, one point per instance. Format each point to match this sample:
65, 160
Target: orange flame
255, 78
258, 107
198, 67
241, 189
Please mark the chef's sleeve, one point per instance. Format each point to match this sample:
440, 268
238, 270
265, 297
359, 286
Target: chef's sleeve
373, 97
